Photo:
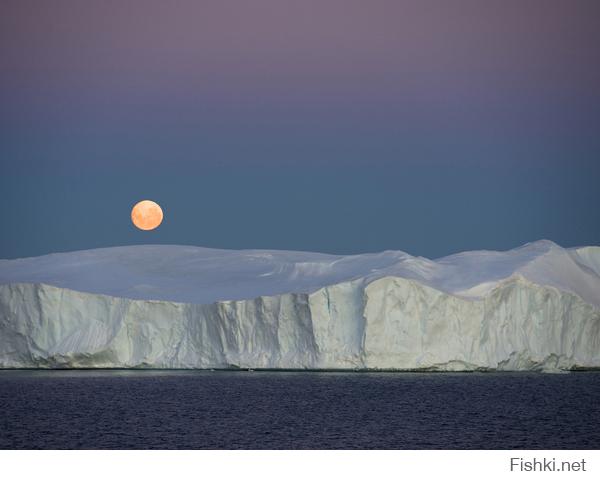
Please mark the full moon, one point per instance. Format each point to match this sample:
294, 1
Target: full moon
146, 215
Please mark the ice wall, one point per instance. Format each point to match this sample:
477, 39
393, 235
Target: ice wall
387, 323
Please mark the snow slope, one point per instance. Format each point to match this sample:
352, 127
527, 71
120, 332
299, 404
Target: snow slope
534, 307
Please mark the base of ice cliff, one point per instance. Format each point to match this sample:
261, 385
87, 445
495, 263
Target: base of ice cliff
532, 308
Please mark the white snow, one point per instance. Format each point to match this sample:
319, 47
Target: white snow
533, 307
202, 275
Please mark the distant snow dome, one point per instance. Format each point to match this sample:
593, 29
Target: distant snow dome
203, 275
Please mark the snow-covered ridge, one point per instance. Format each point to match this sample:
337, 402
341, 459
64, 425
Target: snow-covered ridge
202, 275
534, 307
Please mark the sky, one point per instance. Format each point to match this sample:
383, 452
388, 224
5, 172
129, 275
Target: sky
343, 127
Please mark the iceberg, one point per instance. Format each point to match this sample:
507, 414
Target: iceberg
536, 307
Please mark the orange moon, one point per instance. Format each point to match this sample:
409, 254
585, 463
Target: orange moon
146, 215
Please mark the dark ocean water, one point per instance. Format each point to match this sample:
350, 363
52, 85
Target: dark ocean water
292, 410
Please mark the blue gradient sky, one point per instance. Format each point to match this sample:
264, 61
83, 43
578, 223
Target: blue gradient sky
336, 126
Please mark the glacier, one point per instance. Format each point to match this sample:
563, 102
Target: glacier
536, 307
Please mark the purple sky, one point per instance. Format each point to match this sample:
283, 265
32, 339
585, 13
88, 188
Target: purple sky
157, 87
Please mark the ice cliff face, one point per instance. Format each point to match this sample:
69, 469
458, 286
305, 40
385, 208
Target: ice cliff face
535, 307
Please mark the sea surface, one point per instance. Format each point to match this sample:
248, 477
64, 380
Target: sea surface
125, 409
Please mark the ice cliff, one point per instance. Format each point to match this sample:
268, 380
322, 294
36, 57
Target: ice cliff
536, 307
